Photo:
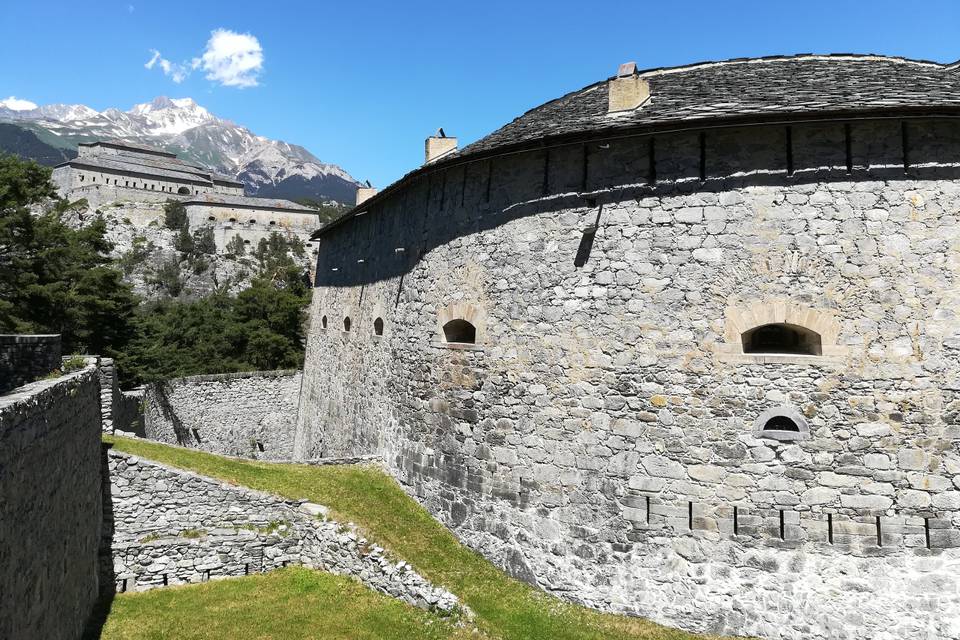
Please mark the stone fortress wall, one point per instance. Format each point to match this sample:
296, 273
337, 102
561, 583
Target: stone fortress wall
250, 415
50, 507
125, 186
169, 527
603, 438
25, 358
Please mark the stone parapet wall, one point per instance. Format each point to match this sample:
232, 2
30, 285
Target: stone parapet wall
600, 433
25, 358
251, 415
50, 507
167, 527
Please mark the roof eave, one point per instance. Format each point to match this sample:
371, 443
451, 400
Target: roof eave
638, 130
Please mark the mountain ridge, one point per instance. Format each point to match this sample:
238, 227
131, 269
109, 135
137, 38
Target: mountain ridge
270, 168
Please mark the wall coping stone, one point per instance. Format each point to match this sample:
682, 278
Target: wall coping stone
35, 392
217, 377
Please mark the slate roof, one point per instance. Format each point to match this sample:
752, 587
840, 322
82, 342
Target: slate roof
804, 86
220, 199
173, 171
119, 144
130, 159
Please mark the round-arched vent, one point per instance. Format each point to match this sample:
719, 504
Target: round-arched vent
781, 423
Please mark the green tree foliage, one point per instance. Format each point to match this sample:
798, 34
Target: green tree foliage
260, 328
54, 279
175, 215
273, 254
203, 241
236, 247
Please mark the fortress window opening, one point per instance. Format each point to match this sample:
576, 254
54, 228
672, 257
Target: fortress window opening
184, 191
378, 326
323, 322
460, 331
781, 423
782, 338
346, 323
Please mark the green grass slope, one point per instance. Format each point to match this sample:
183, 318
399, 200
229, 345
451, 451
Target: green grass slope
289, 604
505, 608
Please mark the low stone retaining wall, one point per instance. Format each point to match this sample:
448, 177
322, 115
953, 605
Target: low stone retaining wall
50, 515
251, 415
25, 358
166, 526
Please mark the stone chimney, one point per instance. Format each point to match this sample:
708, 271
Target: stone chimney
438, 145
628, 90
365, 192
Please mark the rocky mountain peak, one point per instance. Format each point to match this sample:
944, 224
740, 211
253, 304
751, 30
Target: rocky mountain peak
268, 168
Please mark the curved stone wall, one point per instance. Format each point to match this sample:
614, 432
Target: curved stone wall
601, 438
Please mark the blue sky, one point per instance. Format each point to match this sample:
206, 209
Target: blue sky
362, 84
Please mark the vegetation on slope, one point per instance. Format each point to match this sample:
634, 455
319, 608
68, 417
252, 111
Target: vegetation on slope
313, 605
505, 608
55, 279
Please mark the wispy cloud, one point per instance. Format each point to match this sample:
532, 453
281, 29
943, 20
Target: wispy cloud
230, 59
17, 104
176, 72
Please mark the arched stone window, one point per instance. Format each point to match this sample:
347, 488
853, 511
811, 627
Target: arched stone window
323, 322
184, 191
781, 423
780, 332
378, 326
211, 218
461, 325
346, 323
460, 331
781, 338
252, 221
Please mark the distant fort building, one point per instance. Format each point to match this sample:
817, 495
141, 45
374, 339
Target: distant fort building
110, 171
683, 343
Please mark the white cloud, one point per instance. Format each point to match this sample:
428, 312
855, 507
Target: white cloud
231, 59
177, 72
17, 104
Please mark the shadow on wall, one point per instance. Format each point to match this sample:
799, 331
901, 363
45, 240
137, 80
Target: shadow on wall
449, 203
169, 413
108, 580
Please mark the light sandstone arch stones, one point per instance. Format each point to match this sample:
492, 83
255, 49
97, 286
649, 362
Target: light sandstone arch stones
740, 319
467, 312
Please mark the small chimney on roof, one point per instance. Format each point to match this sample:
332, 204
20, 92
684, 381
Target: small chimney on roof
628, 90
438, 145
365, 192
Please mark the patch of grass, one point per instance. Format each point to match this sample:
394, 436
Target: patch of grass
292, 603
193, 534
505, 608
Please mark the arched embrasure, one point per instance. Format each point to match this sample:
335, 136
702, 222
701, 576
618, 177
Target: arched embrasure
782, 338
460, 331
